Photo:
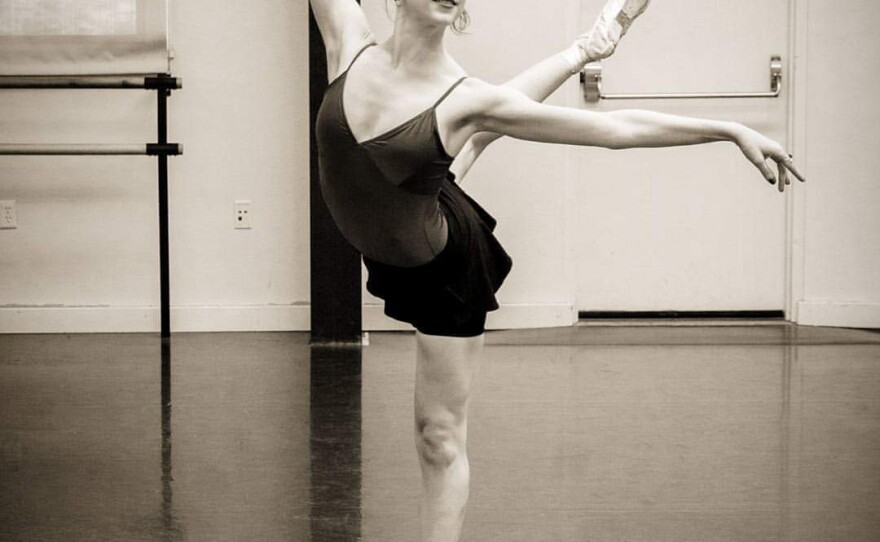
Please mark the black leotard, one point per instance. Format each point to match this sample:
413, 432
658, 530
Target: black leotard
382, 192
428, 247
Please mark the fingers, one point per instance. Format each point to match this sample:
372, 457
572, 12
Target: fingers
784, 165
766, 171
783, 177
789, 165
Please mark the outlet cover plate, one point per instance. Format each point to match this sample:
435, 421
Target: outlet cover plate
242, 214
8, 218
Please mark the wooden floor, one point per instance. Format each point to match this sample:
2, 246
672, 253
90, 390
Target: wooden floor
593, 433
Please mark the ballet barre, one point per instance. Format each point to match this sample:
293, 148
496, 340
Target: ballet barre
591, 78
97, 81
149, 149
163, 84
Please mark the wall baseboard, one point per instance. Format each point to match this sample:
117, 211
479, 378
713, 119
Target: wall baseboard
107, 319
838, 314
295, 317
680, 315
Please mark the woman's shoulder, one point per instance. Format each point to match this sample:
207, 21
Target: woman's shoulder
346, 54
480, 93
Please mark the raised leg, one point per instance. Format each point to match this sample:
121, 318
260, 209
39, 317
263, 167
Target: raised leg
613, 22
541, 80
445, 371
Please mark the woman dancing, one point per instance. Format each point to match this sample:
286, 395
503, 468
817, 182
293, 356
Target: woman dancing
394, 117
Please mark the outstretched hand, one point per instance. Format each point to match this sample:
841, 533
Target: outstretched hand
758, 148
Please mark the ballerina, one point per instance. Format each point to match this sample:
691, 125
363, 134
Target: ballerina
395, 116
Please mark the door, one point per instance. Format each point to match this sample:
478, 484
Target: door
690, 228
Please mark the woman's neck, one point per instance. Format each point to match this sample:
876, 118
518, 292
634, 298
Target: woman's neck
416, 47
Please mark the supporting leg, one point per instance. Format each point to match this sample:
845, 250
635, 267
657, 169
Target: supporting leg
445, 370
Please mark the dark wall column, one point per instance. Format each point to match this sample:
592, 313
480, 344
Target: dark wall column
335, 264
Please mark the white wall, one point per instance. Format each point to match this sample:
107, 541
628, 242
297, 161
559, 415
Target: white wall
85, 254
837, 225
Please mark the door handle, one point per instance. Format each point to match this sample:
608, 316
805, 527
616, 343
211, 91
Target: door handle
591, 78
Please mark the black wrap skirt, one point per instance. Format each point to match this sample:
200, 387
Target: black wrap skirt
451, 294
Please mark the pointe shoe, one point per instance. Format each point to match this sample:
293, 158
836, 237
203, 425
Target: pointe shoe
614, 21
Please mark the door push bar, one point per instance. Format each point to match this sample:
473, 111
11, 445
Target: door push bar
591, 78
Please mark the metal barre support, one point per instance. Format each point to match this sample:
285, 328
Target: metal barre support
70, 82
148, 149
164, 251
591, 78
163, 84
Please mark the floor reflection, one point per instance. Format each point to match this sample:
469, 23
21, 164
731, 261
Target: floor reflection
602, 434
789, 361
335, 443
171, 529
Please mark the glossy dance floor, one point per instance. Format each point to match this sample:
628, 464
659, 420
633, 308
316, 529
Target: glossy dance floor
734, 433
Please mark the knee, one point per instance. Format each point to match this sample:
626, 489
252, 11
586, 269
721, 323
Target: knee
439, 442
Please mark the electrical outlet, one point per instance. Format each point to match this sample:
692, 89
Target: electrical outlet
8, 219
243, 214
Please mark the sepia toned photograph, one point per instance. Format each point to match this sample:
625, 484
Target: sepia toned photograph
439, 270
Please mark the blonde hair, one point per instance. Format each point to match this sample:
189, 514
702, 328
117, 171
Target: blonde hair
459, 25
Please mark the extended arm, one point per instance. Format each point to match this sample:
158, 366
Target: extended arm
344, 29
536, 83
505, 111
